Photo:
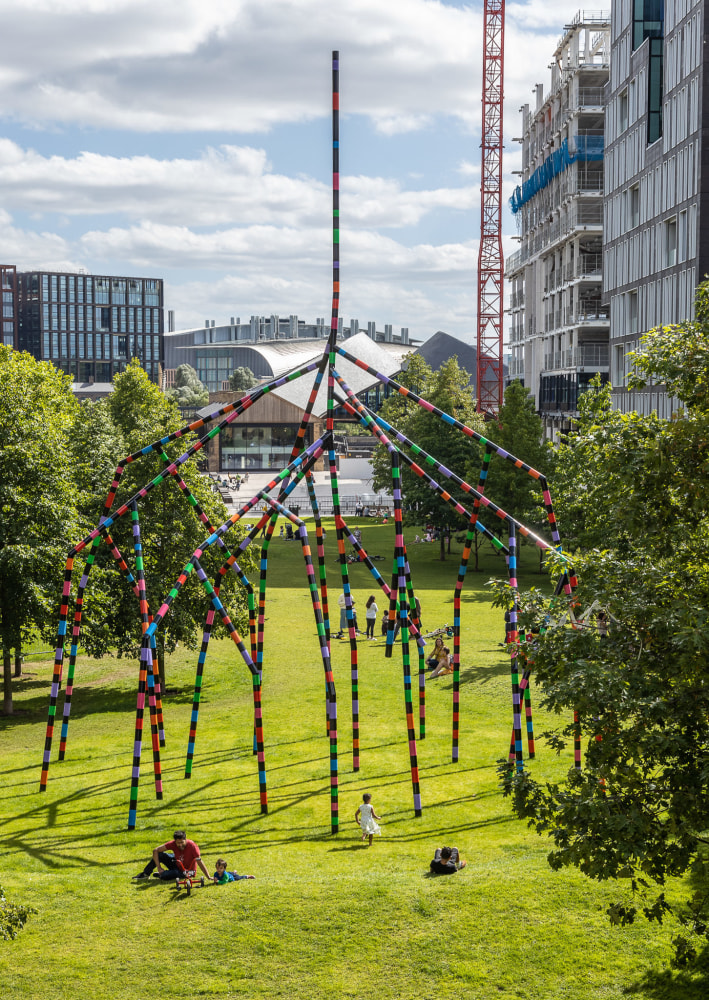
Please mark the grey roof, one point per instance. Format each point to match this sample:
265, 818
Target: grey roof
92, 387
385, 358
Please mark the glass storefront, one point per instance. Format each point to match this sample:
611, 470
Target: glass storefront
249, 448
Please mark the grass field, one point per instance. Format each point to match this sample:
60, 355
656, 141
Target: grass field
325, 916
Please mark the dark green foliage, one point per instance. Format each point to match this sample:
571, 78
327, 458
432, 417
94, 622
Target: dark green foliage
13, 917
519, 431
242, 379
170, 531
188, 390
636, 493
38, 515
447, 389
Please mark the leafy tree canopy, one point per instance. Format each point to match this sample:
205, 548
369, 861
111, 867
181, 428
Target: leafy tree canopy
170, 530
38, 514
188, 389
519, 431
13, 917
635, 491
447, 389
242, 379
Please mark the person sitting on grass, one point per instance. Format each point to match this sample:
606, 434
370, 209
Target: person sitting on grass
446, 861
182, 860
437, 654
222, 876
444, 664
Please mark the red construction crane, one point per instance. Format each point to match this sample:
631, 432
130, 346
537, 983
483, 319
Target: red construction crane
490, 262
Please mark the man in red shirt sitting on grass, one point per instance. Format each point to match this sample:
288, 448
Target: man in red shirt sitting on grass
182, 861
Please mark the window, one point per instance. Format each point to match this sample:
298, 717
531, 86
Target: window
682, 237
648, 20
101, 290
671, 242
622, 112
135, 293
632, 312
654, 91
634, 206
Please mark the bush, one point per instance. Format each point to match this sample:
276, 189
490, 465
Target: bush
13, 917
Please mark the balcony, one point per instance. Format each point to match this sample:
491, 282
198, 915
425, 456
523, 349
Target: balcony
593, 356
590, 311
588, 265
516, 334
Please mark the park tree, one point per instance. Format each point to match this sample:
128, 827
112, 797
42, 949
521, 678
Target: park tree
448, 389
170, 531
637, 490
242, 379
518, 429
38, 516
188, 389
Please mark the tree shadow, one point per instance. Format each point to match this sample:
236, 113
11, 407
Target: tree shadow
690, 984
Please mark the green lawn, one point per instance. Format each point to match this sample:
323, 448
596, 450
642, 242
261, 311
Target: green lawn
325, 917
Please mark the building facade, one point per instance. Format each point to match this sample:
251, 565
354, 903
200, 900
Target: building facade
10, 317
559, 324
215, 351
656, 246
90, 326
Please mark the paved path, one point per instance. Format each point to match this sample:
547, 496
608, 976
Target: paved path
354, 480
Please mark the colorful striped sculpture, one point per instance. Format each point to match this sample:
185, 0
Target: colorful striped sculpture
400, 593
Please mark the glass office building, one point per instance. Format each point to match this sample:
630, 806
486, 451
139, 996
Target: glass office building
8, 286
90, 326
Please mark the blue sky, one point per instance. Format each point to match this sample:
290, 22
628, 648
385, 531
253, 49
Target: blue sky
190, 140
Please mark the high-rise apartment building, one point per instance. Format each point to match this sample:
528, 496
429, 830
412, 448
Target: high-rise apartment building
656, 246
8, 286
90, 326
559, 323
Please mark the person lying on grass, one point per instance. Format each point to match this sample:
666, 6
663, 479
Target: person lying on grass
182, 860
446, 861
222, 876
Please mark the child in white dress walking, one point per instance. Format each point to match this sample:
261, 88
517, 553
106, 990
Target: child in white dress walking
368, 816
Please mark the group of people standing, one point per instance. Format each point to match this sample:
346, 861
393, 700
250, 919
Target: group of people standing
370, 615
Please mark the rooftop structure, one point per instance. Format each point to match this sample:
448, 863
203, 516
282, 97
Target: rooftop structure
559, 324
267, 345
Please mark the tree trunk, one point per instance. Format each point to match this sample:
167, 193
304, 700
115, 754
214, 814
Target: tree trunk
7, 682
18, 663
449, 542
443, 548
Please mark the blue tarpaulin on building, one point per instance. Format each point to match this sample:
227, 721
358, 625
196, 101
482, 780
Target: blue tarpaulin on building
588, 147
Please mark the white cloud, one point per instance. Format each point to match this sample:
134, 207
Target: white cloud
239, 65
29, 249
230, 185
249, 237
